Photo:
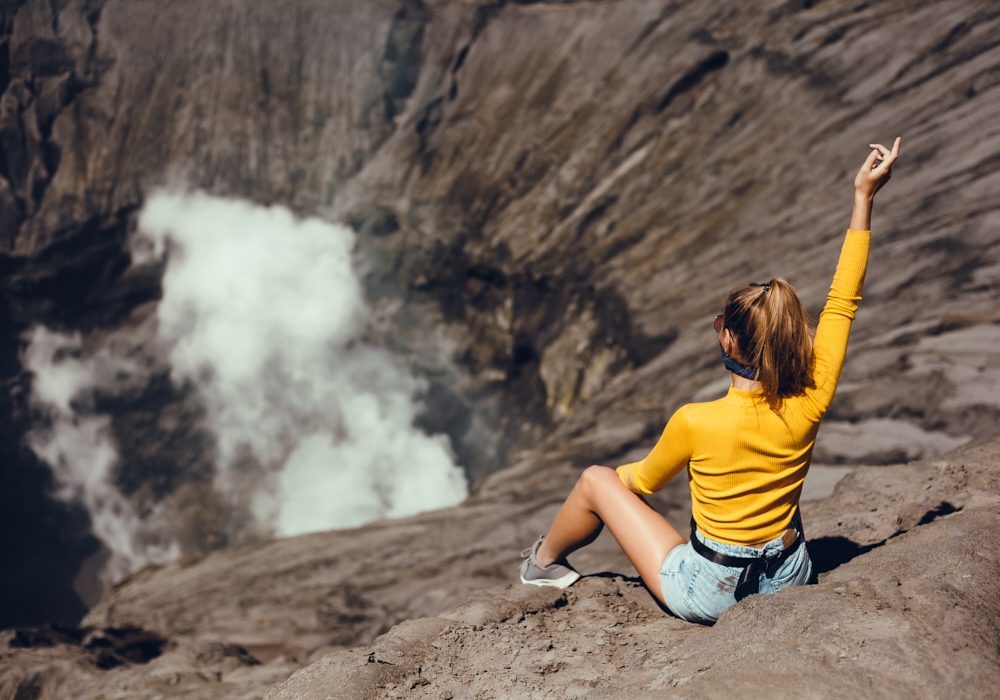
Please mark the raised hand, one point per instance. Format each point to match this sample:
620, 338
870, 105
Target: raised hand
876, 170
873, 174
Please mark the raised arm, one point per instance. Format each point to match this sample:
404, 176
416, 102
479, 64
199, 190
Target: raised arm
833, 331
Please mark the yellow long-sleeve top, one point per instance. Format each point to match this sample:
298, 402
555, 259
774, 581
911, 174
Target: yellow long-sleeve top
746, 463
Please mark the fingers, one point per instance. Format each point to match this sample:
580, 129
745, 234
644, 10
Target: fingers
894, 154
884, 154
880, 149
877, 168
870, 162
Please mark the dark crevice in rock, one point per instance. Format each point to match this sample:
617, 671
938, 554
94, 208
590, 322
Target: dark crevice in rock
79, 282
835, 36
716, 61
4, 65
217, 652
426, 126
92, 11
379, 222
460, 59
648, 31
785, 64
957, 32
400, 66
793, 6
106, 648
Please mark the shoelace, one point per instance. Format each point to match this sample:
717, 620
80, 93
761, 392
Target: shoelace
531, 550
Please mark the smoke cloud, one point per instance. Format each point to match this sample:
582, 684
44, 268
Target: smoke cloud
76, 442
263, 314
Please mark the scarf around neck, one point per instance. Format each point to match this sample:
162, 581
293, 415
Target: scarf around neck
736, 368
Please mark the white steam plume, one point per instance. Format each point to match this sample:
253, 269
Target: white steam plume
76, 442
263, 314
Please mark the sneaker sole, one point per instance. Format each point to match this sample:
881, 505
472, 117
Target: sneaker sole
561, 582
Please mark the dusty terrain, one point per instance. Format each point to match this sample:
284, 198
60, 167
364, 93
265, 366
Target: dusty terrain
561, 194
906, 606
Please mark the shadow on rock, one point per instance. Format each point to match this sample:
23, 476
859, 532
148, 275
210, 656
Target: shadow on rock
107, 648
827, 553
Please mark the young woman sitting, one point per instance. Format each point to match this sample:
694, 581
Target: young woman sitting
747, 454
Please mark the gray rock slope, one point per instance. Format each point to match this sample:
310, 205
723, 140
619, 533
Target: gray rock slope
912, 614
910, 619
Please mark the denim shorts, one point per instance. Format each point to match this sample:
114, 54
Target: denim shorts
698, 590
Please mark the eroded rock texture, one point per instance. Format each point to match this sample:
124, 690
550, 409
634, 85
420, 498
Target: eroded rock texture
906, 604
565, 190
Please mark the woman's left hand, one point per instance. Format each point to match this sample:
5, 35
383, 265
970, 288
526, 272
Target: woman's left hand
877, 169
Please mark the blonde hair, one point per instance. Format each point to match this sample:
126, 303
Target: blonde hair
772, 334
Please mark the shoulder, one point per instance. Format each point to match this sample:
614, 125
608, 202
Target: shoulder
705, 406
694, 413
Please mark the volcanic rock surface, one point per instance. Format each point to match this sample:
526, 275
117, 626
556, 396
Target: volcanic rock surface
906, 606
565, 192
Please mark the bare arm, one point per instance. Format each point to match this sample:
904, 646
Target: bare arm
833, 332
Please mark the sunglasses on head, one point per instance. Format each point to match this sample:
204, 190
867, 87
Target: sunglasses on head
720, 319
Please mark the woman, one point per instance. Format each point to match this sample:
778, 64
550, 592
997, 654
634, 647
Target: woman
747, 453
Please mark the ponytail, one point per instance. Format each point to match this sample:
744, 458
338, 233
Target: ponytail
772, 335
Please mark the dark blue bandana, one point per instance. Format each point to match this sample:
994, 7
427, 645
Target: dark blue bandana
736, 368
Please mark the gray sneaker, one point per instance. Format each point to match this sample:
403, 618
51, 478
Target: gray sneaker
555, 574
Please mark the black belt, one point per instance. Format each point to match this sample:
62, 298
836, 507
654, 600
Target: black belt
753, 567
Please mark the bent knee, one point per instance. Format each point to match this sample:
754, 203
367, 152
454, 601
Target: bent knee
598, 477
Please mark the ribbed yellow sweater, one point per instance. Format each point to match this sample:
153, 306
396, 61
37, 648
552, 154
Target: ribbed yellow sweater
746, 463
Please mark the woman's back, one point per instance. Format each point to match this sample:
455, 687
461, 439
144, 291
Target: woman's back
746, 461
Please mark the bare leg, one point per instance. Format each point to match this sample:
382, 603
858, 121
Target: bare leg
600, 498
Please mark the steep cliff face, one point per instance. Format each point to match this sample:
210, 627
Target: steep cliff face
103, 103
565, 191
626, 163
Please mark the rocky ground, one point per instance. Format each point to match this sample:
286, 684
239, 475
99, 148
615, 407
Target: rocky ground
906, 606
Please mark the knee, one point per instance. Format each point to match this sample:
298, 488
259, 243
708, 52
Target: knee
596, 477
